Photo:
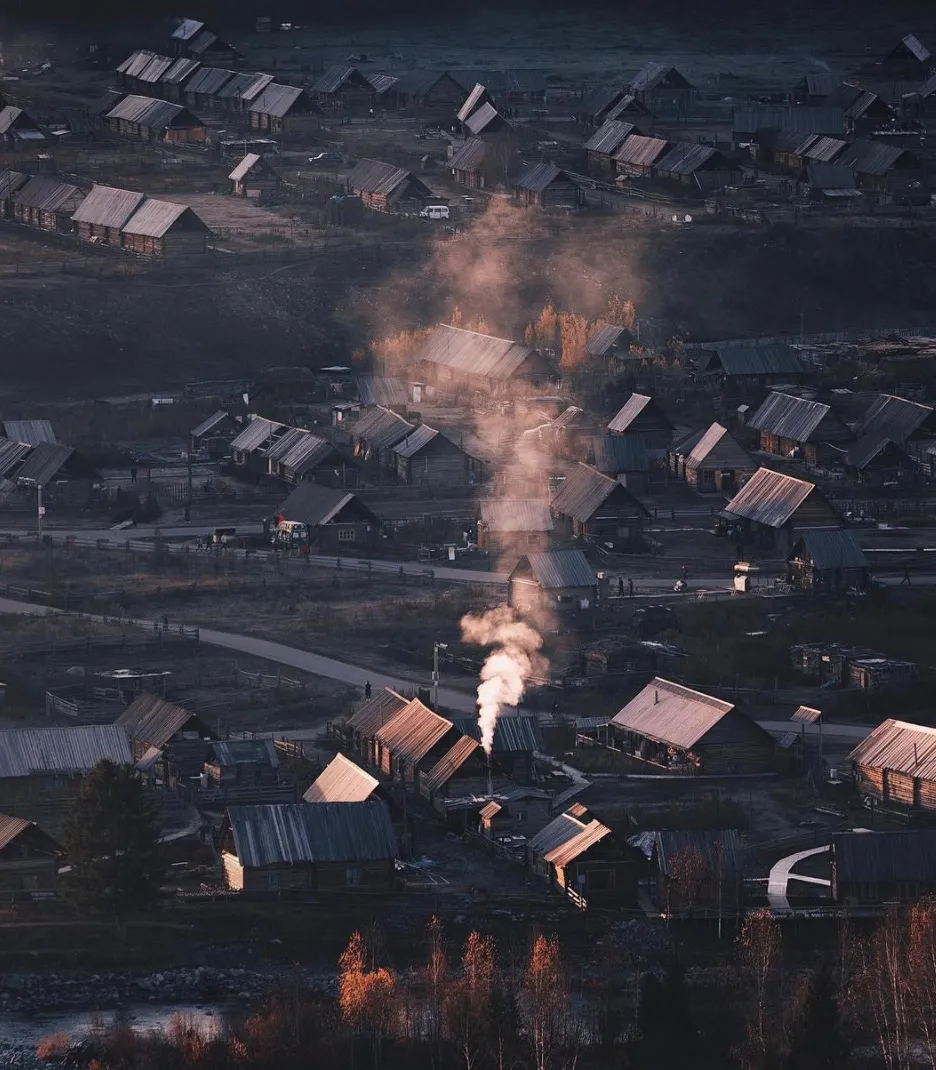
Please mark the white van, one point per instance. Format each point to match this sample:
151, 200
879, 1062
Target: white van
435, 211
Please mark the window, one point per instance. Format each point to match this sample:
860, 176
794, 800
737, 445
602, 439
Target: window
599, 880
520, 816
346, 535
273, 881
623, 532
352, 877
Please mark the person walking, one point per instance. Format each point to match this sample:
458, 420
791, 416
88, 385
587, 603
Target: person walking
367, 689
906, 577
630, 587
685, 573
620, 586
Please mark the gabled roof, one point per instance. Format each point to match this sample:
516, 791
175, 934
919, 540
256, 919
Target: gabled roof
151, 113
720, 848
136, 62
276, 100
640, 151
154, 219
470, 157
912, 44
32, 432
48, 194
379, 178
107, 206
296, 833
671, 713
416, 441
585, 490
44, 462
11, 827
770, 498
554, 570
316, 505
52, 751
512, 734
255, 435
153, 721
17, 123
417, 83
888, 858
507, 515
900, 746
829, 177
867, 448
831, 549
244, 167
894, 418
798, 419
566, 853
718, 448
413, 732
377, 711
382, 428
872, 157
184, 67
341, 76
341, 781
10, 182
187, 29
559, 831
819, 83
753, 360
630, 410
614, 454
654, 74
233, 752
484, 118
450, 762
475, 98
155, 69
824, 149
627, 105
381, 390
599, 100
539, 176
820, 120
685, 158
243, 82
609, 137
474, 353
209, 81
11, 453
604, 338
306, 453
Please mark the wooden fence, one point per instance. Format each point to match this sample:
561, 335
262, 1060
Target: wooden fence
174, 638
269, 681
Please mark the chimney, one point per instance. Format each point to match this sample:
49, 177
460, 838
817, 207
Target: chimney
490, 779
656, 697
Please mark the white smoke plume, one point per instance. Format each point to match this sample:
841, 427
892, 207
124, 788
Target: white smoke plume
504, 675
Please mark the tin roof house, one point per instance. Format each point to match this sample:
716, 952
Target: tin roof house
799, 429
598, 509
773, 508
454, 358
553, 587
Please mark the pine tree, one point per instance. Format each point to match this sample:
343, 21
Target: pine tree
815, 1037
111, 838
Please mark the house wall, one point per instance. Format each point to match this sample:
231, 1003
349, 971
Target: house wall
895, 789
725, 480
358, 536
525, 816
434, 466
737, 758
621, 529
526, 596
603, 880
520, 542
36, 797
20, 877
871, 893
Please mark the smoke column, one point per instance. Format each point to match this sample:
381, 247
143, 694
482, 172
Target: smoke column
514, 659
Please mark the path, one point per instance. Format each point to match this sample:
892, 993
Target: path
780, 876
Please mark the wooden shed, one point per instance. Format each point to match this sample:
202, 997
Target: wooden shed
514, 525
296, 847
430, 458
286, 110
658, 86
622, 458
544, 185
412, 737
597, 509
641, 415
328, 519
474, 166
895, 766
242, 763
556, 584
29, 859
47, 203
876, 461
453, 357
684, 731
701, 167
798, 429
877, 868
149, 119
698, 871
162, 228
104, 212
385, 187
829, 562
718, 463
254, 178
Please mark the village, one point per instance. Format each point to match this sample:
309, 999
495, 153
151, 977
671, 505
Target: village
463, 590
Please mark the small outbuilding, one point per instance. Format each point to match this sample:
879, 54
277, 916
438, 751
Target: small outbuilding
16, 127
517, 525
556, 583
329, 519
829, 562
242, 763
598, 509
384, 187
544, 185
254, 178
874, 460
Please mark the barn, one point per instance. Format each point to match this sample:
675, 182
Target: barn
149, 119
385, 187
593, 507
516, 525
772, 509
673, 727
427, 457
794, 427
895, 766
544, 185
161, 228
47, 202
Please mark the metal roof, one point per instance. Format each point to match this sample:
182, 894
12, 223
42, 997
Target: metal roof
154, 219
380, 708
334, 79
539, 176
209, 81
11, 453
49, 751
629, 412
788, 416
377, 177
10, 182
482, 118
721, 850
824, 149
413, 732
754, 360
887, 858
684, 444
32, 432
585, 490
507, 515
566, 853
187, 29
153, 721
819, 83
867, 448
470, 156
474, 353
609, 137
278, 449
671, 713
770, 498
256, 435
181, 69
640, 151
450, 762
685, 158
791, 141
382, 428
832, 549
49, 194
556, 569
512, 80
107, 206
418, 440
43, 463
899, 746
243, 168
599, 100
821, 120
11, 117
203, 42
314, 504
472, 101
137, 62
341, 781
228, 752
417, 83
149, 112
718, 448
382, 82
806, 715
306, 454
11, 827
871, 157
518, 734
276, 100
627, 105
654, 74
245, 81
831, 176
604, 338
614, 454
260, 82
155, 69
381, 390
914, 46
559, 831
894, 418
296, 833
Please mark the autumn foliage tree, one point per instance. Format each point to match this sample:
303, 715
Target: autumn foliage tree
543, 333
758, 946
545, 999
470, 1002
365, 996
573, 334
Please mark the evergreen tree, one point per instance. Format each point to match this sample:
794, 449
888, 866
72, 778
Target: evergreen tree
815, 1035
111, 839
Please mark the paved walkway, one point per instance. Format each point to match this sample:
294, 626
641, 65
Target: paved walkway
780, 876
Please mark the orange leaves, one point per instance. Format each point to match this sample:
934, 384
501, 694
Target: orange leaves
365, 997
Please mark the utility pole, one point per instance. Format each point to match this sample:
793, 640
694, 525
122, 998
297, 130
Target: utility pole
436, 647
40, 511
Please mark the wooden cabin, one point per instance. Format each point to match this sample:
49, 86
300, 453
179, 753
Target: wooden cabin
328, 519
829, 562
255, 178
384, 187
557, 584
895, 766
162, 228
877, 868
642, 416
453, 358
798, 429
718, 463
517, 525
544, 185
47, 203
427, 457
698, 871
597, 509
29, 860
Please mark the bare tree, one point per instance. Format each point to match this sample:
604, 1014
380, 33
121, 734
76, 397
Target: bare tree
688, 873
759, 945
546, 998
436, 980
921, 971
470, 1000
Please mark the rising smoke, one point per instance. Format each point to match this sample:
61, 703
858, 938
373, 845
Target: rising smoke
515, 657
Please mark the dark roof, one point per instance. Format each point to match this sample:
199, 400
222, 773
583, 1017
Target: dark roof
538, 176
640, 151
417, 83
450, 762
381, 390
10, 182
297, 833
512, 735
470, 157
315, 505
153, 721
770, 498
720, 848
377, 177
609, 137
832, 549
871, 157
912, 44
686, 158
209, 81
474, 353
49, 194
32, 432
151, 113
232, 752
627, 105
654, 74
585, 490
181, 69
341, 781
821, 120
907, 856
630, 410
718, 448
155, 69
416, 441
824, 149
819, 83
513, 80
556, 569
614, 454
380, 708
74, 749
900, 746
242, 82
382, 429
339, 76
671, 713
894, 418
604, 338
867, 448
187, 29
487, 117
831, 176
600, 100
686, 442
754, 360
44, 462
788, 416
277, 100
